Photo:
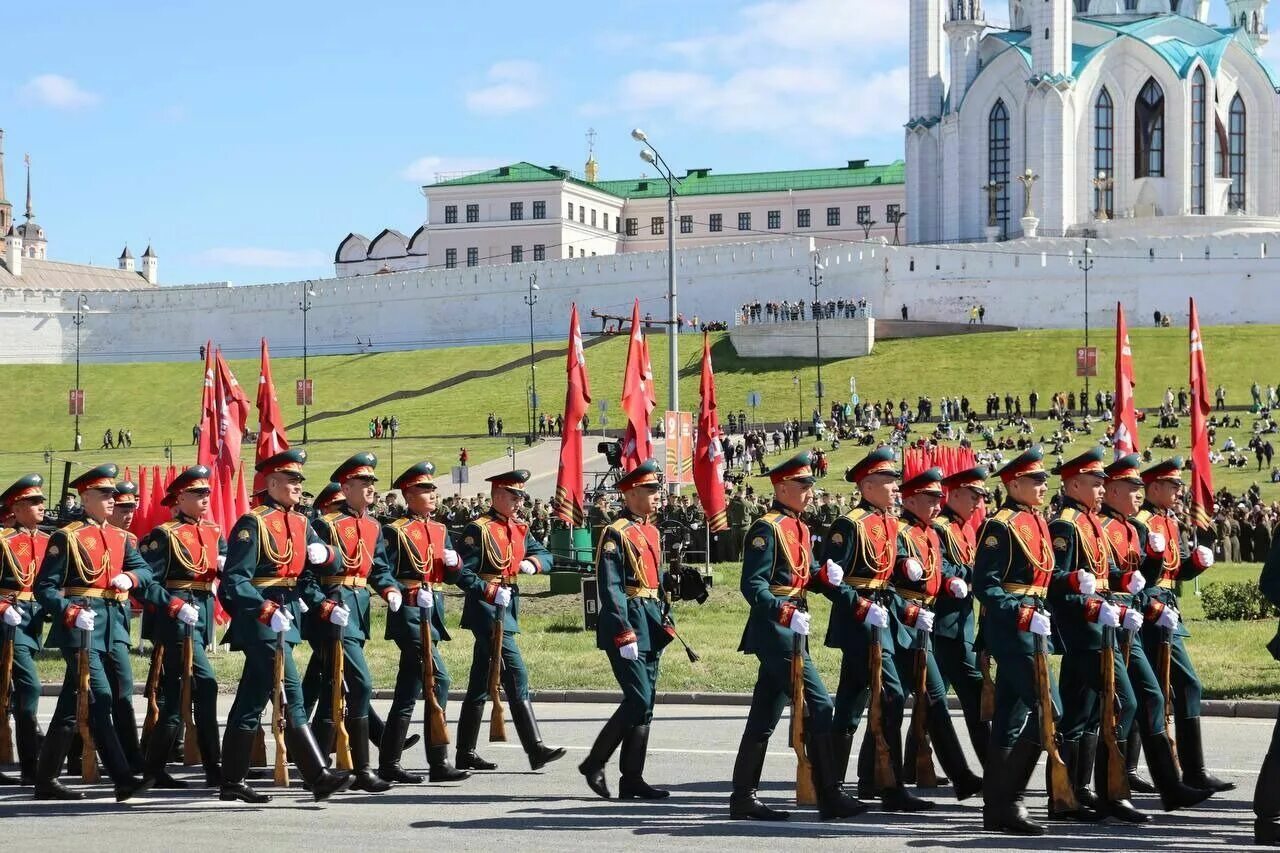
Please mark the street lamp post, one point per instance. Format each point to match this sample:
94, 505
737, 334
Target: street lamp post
1086, 263
795, 381
651, 155
531, 300
816, 281
82, 303
306, 306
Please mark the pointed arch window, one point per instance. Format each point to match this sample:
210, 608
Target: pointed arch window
1149, 136
1198, 140
1104, 154
1236, 153
998, 161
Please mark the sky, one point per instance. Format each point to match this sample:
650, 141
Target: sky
243, 141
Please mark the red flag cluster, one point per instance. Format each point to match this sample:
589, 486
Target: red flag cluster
1125, 416
1201, 475
708, 458
918, 458
638, 398
570, 502
224, 419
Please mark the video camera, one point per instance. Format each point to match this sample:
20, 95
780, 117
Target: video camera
681, 583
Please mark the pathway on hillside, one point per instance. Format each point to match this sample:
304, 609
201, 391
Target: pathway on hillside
543, 462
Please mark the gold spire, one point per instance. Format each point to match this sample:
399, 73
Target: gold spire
592, 171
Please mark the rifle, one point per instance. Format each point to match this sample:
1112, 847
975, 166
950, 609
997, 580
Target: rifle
153, 693
84, 698
342, 740
987, 704
1164, 661
925, 775
884, 775
1117, 780
277, 717
190, 742
437, 731
6, 697
497, 719
806, 793
1062, 795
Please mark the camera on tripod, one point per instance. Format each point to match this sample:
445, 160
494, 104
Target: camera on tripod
681, 583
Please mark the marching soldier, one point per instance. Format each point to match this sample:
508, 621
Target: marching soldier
777, 572
1163, 572
1266, 794
272, 557
362, 561
185, 555
495, 549
739, 517
126, 506
1079, 598
313, 680
84, 582
864, 542
1122, 499
632, 631
422, 558
22, 549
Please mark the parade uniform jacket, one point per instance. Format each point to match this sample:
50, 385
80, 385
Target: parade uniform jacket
1269, 583
954, 618
1165, 572
1128, 545
629, 568
778, 569
864, 541
918, 540
361, 562
491, 551
267, 569
79, 564
21, 553
1011, 573
415, 553
183, 555
1078, 543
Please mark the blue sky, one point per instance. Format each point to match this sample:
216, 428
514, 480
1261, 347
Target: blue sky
244, 140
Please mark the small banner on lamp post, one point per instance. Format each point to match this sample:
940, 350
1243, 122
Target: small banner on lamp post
1086, 361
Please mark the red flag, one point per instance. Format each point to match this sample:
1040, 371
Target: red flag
157, 513
233, 415
271, 436
637, 398
1124, 417
1201, 475
708, 460
241, 506
207, 446
570, 503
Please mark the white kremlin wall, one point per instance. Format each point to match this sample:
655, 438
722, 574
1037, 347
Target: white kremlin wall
1028, 283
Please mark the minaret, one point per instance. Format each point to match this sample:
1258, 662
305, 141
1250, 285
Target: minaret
1051, 39
1050, 142
126, 259
592, 171
925, 59
149, 271
1250, 16
6, 209
964, 28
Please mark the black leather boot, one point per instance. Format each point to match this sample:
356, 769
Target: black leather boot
843, 745
833, 803
306, 756
1174, 792
1119, 808
159, 746
867, 789
980, 738
237, 752
1069, 752
635, 748
1191, 757
1082, 772
897, 798
946, 745
127, 785
1266, 796
364, 779
126, 728
468, 731
389, 753
326, 737
57, 742
441, 769
743, 803
1132, 751
28, 741
1007, 773
606, 743
911, 753
210, 755
378, 731
526, 723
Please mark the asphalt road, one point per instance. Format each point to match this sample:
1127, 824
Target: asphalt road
691, 752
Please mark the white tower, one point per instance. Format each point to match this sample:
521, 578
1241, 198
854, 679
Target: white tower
126, 259
926, 59
964, 28
926, 91
1050, 117
1050, 38
149, 267
1250, 16
13, 252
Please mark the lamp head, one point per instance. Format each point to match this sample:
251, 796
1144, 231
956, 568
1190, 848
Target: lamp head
648, 156
638, 135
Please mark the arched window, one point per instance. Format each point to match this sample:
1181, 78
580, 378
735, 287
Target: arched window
1149, 138
1236, 153
998, 164
1104, 155
1198, 131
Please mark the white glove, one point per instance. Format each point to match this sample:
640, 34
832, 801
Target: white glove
799, 623
303, 606
1109, 615
84, 619
924, 620
528, 568
1155, 543
502, 596
877, 616
317, 553
450, 557
958, 588
1168, 618
1087, 582
188, 615
222, 562
1132, 619
13, 616
339, 616
425, 598
1041, 624
1136, 583
122, 582
281, 620
912, 568
834, 574
1202, 557
630, 651
394, 600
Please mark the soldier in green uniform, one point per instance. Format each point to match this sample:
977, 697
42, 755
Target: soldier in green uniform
269, 577
22, 550
126, 506
1266, 794
1087, 621
495, 549
1163, 572
1122, 499
422, 558
185, 555
356, 536
632, 630
778, 571
739, 513
88, 570
864, 542
828, 512
328, 500
1011, 573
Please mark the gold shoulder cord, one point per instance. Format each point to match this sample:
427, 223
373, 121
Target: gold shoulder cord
354, 559
88, 573
1040, 562
799, 571
267, 548
179, 553
492, 551
410, 554
24, 577
1096, 557
870, 557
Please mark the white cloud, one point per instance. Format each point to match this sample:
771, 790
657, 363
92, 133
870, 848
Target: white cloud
57, 92
425, 169
511, 86
252, 256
